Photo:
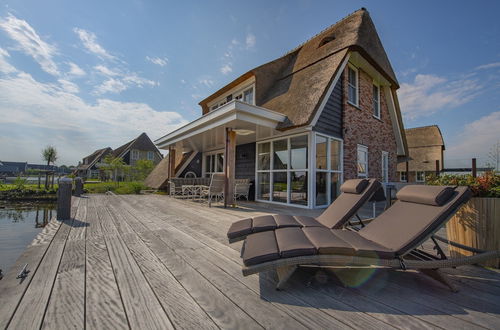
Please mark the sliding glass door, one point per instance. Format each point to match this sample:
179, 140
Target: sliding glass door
328, 168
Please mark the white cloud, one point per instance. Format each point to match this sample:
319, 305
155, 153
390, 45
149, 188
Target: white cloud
110, 86
68, 86
250, 41
476, 138
5, 66
49, 113
105, 71
430, 93
488, 66
89, 41
75, 70
206, 82
157, 60
30, 43
226, 68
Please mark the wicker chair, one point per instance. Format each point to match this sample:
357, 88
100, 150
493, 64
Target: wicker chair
241, 188
215, 190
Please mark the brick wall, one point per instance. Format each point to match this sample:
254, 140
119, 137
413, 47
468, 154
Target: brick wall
360, 127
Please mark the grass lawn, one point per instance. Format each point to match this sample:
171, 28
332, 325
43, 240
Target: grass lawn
121, 188
33, 187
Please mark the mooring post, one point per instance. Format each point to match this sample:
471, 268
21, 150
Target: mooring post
78, 186
64, 199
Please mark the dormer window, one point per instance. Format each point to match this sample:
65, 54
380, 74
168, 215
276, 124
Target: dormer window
243, 95
248, 96
326, 40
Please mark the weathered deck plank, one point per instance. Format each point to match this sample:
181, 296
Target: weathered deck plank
156, 262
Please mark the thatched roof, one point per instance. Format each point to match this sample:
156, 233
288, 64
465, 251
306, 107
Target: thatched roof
158, 178
94, 157
425, 146
142, 142
295, 83
424, 136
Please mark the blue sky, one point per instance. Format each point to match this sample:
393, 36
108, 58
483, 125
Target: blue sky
90, 74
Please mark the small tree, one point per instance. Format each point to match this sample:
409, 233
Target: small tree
494, 156
50, 156
114, 165
143, 167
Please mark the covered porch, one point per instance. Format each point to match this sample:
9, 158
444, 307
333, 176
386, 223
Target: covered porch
297, 167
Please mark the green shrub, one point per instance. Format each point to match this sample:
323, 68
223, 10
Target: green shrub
486, 185
20, 183
123, 189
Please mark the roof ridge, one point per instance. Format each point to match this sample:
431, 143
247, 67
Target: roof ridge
426, 126
325, 29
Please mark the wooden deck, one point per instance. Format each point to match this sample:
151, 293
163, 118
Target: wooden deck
155, 262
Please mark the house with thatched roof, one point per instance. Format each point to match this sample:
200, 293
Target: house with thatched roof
139, 148
300, 125
425, 154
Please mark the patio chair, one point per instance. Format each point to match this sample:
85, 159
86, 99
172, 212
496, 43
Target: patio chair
175, 188
215, 190
355, 193
389, 241
242, 188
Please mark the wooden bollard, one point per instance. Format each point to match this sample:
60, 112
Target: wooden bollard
64, 199
78, 187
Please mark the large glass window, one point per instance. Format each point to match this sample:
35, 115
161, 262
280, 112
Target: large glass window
352, 88
264, 156
299, 152
328, 169
280, 154
284, 163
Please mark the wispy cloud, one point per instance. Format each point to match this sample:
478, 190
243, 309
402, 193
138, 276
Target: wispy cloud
89, 41
29, 42
117, 81
429, 93
250, 41
476, 138
206, 82
226, 68
68, 86
53, 114
488, 66
157, 60
75, 70
110, 86
104, 70
5, 66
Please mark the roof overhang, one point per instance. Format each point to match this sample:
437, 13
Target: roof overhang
235, 114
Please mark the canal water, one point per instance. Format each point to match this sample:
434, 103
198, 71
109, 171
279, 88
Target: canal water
19, 225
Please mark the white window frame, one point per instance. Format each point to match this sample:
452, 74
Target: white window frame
151, 155
356, 71
416, 176
238, 95
376, 105
134, 154
365, 149
401, 176
204, 171
288, 170
385, 168
328, 170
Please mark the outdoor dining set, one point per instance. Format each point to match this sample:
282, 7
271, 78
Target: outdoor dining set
207, 189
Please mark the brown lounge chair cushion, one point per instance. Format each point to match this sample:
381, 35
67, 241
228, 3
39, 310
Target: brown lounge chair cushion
268, 222
295, 242
429, 195
335, 216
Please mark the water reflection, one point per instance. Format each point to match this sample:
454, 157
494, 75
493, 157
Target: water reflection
19, 225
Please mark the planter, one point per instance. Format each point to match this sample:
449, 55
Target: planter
476, 224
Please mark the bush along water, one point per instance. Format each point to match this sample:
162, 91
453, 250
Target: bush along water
486, 185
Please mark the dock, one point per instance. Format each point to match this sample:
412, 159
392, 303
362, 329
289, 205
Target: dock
155, 262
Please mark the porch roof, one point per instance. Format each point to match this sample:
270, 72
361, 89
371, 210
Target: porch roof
239, 116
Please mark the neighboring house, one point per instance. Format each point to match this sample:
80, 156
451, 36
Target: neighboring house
13, 168
139, 148
89, 168
425, 154
300, 125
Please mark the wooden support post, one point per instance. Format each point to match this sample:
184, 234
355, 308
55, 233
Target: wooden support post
64, 199
407, 168
171, 162
474, 168
229, 166
438, 170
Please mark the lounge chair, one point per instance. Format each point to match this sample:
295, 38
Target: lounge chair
216, 189
389, 241
355, 193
